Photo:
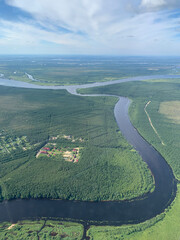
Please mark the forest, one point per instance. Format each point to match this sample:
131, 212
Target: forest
65, 70
157, 92
107, 163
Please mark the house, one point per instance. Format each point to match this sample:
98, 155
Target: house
45, 148
44, 152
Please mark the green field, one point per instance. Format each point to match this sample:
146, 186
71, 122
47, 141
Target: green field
105, 167
171, 110
39, 230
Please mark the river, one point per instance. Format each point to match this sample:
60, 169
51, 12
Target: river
113, 212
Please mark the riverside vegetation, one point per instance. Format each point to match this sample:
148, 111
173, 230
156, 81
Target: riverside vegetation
164, 97
107, 163
41, 229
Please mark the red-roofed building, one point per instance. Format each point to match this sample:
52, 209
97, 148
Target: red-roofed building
45, 148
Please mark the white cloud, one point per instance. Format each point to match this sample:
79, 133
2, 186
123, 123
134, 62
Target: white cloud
153, 3
95, 26
25, 33
76, 15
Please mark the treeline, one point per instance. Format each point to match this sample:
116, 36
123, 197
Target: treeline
95, 178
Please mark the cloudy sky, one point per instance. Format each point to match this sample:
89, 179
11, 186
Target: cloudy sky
108, 27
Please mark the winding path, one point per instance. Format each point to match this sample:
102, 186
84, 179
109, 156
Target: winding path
121, 212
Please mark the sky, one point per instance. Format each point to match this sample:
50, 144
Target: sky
90, 27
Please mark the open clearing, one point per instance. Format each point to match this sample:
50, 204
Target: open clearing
171, 110
152, 124
70, 154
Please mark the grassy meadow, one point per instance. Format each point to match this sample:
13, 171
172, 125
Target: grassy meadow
42, 229
171, 110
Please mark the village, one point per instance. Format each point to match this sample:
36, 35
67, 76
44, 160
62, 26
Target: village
9, 143
69, 154
68, 137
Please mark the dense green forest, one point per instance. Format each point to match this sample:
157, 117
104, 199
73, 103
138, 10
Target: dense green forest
107, 162
64, 70
157, 92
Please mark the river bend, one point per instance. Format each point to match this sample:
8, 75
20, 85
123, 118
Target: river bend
113, 212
